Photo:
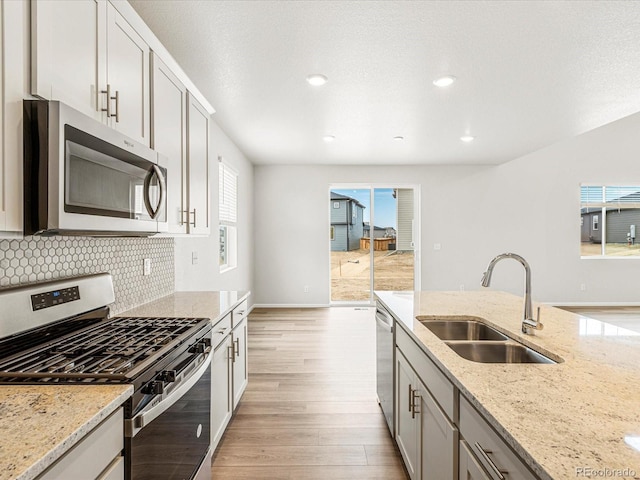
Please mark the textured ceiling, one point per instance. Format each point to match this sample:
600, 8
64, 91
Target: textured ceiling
528, 74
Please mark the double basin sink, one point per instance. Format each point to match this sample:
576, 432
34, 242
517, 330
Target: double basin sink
478, 342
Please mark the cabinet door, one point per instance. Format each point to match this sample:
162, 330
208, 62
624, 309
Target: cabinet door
127, 77
406, 424
438, 440
470, 469
221, 401
13, 54
68, 53
198, 169
240, 378
168, 137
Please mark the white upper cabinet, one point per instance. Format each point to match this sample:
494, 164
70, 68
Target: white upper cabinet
198, 168
169, 132
13, 55
85, 54
68, 53
127, 78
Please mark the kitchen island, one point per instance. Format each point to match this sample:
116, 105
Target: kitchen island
577, 418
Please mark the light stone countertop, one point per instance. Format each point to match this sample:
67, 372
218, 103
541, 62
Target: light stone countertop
39, 423
581, 413
212, 305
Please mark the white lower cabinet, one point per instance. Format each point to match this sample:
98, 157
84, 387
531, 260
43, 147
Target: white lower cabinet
427, 439
221, 401
98, 456
228, 369
240, 377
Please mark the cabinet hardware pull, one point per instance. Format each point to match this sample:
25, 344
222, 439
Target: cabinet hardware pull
237, 347
230, 353
108, 93
414, 396
485, 455
410, 397
117, 99
194, 218
182, 212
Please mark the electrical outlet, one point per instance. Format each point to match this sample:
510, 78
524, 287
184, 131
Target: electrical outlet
194, 258
146, 266
462, 287
437, 246
583, 287
306, 289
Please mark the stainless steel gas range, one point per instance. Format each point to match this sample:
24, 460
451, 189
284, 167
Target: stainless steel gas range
61, 332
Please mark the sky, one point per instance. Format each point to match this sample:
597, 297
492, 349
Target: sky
385, 204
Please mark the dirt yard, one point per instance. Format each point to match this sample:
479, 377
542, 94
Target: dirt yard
612, 249
350, 273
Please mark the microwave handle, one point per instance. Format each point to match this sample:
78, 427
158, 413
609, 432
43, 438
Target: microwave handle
153, 212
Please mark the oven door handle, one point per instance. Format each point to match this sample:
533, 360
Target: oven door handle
180, 388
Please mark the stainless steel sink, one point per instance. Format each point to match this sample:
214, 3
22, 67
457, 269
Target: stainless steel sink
497, 352
462, 330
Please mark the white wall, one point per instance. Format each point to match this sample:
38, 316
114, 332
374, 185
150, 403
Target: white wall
529, 206
205, 275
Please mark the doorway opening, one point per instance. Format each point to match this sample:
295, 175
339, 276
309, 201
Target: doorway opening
372, 241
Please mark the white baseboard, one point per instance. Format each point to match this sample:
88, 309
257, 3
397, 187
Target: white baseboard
289, 305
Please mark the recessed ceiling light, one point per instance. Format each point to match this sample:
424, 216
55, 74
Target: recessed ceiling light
316, 79
328, 138
467, 138
444, 81
398, 138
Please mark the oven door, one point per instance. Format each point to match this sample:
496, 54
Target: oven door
169, 438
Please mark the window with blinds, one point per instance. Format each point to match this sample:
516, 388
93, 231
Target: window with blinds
609, 215
228, 216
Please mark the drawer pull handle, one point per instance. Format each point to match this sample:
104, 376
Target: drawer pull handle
485, 456
410, 398
237, 347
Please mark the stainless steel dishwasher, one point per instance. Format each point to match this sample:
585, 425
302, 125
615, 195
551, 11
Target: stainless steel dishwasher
385, 362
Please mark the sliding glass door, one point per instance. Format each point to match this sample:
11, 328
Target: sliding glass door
372, 241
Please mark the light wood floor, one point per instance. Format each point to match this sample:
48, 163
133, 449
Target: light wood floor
310, 409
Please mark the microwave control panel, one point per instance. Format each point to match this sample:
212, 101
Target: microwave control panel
54, 297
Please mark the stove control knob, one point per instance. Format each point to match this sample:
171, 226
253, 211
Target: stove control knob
168, 375
154, 388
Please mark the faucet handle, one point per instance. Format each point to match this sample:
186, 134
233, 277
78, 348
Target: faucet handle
539, 325
529, 324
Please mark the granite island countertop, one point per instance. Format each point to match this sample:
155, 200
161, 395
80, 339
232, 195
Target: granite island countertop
39, 423
582, 413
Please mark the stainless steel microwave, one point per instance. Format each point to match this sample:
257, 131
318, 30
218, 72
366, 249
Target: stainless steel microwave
84, 178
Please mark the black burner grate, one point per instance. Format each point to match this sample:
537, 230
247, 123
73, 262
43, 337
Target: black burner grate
112, 350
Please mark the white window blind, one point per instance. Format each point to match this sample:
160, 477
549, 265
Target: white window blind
228, 192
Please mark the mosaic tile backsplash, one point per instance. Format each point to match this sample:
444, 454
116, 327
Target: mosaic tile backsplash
35, 259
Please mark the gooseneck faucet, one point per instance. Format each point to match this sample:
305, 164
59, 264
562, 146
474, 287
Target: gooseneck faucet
529, 324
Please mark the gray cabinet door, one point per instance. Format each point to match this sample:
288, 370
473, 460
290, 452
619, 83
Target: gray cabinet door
439, 440
470, 469
406, 424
